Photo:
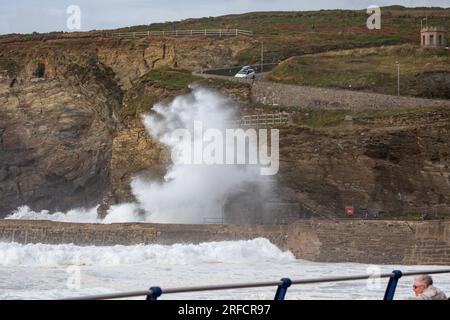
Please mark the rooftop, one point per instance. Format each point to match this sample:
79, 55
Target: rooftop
433, 29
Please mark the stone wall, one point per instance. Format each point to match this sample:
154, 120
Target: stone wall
278, 94
380, 242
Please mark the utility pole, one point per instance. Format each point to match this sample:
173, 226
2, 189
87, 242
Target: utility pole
398, 78
262, 56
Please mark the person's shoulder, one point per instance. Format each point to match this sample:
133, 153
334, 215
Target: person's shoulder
434, 293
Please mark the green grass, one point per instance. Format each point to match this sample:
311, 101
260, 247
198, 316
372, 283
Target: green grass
287, 34
146, 92
170, 79
221, 83
137, 105
319, 119
282, 22
422, 72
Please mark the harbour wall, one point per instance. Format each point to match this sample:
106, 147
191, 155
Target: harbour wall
377, 242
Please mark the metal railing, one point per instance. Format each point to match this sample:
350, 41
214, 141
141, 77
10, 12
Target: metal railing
186, 33
282, 286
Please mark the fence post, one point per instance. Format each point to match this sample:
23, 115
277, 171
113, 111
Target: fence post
392, 285
282, 289
155, 293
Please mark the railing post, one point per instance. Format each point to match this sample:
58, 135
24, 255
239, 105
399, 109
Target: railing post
282, 289
155, 293
392, 285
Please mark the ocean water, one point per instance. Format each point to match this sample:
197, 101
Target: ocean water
40, 271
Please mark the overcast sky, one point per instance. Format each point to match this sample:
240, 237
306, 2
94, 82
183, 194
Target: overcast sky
25, 16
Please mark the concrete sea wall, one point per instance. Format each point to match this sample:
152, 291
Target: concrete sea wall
378, 242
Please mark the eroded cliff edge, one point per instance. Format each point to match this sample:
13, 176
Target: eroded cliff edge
70, 127
71, 133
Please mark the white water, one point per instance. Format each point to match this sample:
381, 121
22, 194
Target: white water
127, 212
189, 193
80, 215
38, 271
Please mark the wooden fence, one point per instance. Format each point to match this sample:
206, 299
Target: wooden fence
186, 33
263, 120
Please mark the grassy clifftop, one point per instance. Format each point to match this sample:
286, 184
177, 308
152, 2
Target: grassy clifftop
292, 33
287, 34
422, 72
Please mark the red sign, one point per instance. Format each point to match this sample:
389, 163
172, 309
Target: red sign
349, 211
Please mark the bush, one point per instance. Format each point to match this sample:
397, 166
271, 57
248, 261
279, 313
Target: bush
437, 85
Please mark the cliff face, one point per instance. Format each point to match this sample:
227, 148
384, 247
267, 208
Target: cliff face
54, 147
71, 133
67, 135
127, 59
389, 172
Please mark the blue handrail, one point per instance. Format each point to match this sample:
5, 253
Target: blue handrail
392, 285
282, 289
282, 286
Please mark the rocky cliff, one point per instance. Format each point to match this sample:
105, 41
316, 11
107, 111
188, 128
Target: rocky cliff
54, 147
381, 170
70, 128
71, 133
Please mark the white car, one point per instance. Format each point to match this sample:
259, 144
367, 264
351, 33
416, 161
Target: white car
245, 72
